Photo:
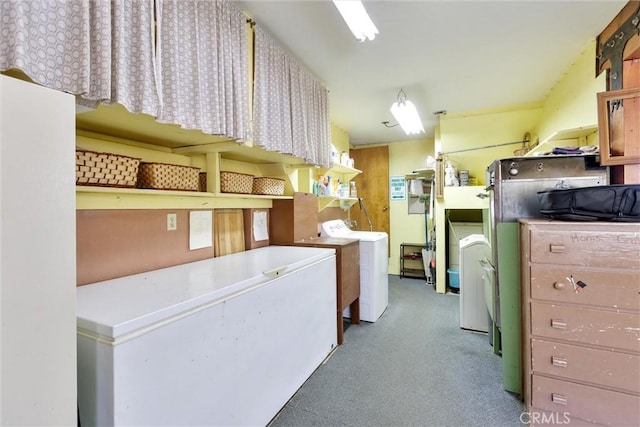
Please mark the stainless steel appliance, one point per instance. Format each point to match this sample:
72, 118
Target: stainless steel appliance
515, 183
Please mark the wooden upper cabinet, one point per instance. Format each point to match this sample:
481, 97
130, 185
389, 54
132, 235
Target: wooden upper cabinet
619, 41
618, 52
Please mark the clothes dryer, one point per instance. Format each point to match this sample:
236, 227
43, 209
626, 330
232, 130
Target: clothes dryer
374, 267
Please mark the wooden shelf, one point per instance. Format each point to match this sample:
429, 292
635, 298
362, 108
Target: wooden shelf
113, 129
567, 137
331, 201
134, 198
347, 173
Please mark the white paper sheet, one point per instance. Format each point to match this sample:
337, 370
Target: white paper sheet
260, 226
200, 229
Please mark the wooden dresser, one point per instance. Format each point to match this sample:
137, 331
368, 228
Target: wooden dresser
581, 322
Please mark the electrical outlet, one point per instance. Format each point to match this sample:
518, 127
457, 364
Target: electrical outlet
172, 222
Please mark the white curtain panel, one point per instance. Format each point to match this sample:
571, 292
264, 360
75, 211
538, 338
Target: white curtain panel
323, 126
133, 68
203, 66
53, 44
100, 50
290, 110
271, 95
310, 121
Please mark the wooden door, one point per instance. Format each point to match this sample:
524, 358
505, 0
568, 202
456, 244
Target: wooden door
373, 187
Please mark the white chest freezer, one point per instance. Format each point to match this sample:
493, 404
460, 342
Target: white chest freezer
224, 341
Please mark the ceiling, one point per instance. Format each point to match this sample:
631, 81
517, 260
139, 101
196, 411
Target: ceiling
455, 56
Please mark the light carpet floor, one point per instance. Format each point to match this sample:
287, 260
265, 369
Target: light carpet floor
412, 367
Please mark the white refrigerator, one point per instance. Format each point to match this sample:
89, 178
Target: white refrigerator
224, 341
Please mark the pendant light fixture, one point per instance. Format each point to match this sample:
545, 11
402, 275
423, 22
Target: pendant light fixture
356, 17
406, 115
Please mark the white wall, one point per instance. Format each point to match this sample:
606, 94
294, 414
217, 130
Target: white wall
403, 158
38, 256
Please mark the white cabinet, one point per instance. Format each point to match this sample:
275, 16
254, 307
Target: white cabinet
38, 257
224, 341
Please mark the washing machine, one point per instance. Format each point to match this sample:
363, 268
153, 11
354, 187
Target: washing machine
374, 267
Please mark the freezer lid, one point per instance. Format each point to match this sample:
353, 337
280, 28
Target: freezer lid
113, 308
474, 239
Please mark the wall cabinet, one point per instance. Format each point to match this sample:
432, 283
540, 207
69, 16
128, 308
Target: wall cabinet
581, 320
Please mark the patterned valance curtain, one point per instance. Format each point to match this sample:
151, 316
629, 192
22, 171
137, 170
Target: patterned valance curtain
290, 108
271, 94
203, 66
102, 51
310, 121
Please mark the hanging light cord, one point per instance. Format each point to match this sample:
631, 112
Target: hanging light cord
402, 97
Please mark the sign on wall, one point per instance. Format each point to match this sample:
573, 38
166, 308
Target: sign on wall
397, 188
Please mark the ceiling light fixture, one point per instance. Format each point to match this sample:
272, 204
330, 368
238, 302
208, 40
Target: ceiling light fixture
406, 115
356, 17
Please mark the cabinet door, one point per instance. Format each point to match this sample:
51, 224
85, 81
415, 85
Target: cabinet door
229, 231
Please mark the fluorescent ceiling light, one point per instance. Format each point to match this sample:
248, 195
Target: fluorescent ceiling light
357, 19
406, 115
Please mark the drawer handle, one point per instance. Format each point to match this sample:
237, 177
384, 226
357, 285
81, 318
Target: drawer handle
559, 399
558, 324
560, 362
558, 285
557, 248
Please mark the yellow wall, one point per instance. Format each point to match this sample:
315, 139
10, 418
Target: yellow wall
572, 102
484, 128
404, 157
339, 138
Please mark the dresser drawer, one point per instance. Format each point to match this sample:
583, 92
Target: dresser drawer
615, 288
536, 417
602, 367
584, 325
586, 402
594, 248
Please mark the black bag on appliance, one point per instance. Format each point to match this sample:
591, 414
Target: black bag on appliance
619, 202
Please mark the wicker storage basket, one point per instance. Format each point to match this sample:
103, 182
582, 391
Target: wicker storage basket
106, 169
233, 182
268, 186
164, 176
202, 177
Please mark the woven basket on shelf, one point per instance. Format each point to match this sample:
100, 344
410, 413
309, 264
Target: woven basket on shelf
233, 182
268, 186
106, 169
164, 176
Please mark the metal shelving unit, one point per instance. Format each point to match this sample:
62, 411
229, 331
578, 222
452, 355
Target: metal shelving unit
411, 260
